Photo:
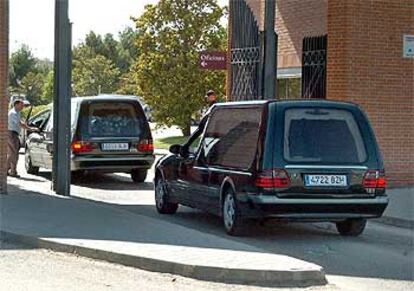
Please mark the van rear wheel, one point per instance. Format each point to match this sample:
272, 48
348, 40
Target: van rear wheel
138, 175
351, 227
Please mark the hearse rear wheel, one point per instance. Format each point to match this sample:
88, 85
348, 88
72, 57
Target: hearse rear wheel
351, 227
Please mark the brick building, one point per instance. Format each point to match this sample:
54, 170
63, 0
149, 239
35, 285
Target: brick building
3, 90
364, 63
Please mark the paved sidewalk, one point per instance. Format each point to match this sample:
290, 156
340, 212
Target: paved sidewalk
400, 210
97, 230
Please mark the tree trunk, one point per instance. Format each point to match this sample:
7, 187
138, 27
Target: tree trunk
186, 130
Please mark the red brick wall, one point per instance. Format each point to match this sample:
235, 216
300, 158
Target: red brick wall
295, 19
3, 91
365, 65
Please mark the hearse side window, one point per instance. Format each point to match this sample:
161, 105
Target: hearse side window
231, 137
329, 136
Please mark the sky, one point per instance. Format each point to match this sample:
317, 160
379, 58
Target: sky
32, 21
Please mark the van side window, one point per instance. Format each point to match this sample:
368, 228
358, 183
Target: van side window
231, 137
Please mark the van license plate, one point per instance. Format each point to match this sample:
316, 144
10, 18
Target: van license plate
115, 146
326, 180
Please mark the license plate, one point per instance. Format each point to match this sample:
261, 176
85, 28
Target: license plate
115, 146
326, 180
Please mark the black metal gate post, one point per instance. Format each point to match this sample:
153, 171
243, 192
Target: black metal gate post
270, 51
245, 53
61, 100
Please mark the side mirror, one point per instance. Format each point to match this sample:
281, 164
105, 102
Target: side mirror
175, 149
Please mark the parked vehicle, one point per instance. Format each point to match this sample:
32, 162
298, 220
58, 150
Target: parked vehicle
300, 160
109, 134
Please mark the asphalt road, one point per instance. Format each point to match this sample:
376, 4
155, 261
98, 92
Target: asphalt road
382, 258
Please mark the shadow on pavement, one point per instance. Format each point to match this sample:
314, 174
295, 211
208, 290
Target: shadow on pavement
102, 181
362, 256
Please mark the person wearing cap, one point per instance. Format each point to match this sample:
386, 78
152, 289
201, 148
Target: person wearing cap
15, 125
211, 99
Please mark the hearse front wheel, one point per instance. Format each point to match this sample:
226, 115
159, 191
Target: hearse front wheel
351, 227
231, 215
162, 203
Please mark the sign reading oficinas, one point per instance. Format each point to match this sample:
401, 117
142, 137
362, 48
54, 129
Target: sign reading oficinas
408, 46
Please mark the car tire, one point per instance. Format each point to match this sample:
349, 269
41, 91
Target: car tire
30, 169
351, 227
162, 203
77, 175
231, 215
139, 176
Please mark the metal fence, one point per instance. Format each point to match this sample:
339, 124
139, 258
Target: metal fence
314, 67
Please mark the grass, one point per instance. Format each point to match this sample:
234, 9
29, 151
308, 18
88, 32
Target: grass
166, 142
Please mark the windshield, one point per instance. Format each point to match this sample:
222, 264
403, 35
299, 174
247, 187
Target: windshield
323, 136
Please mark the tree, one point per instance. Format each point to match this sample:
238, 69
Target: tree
21, 63
171, 35
94, 75
47, 94
32, 87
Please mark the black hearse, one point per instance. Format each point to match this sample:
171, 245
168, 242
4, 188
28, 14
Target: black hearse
290, 160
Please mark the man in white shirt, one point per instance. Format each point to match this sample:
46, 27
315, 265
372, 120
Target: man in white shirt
15, 125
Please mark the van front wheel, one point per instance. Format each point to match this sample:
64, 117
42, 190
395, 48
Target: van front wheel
351, 227
139, 176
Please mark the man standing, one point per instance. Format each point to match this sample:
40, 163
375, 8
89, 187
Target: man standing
211, 98
14, 126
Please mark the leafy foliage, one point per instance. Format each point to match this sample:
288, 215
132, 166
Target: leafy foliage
28, 74
93, 75
171, 36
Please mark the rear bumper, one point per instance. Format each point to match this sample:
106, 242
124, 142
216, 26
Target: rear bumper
263, 206
112, 164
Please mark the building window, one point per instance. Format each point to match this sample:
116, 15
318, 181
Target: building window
289, 88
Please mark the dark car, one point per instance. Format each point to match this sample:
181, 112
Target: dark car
109, 134
289, 160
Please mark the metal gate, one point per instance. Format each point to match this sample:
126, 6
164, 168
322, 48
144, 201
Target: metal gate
245, 53
314, 67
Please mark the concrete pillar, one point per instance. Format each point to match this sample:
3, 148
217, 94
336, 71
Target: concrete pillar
4, 52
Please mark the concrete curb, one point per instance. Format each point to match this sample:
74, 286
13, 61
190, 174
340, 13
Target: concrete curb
264, 278
394, 221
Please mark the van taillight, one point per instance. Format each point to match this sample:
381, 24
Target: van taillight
145, 145
276, 178
78, 147
374, 179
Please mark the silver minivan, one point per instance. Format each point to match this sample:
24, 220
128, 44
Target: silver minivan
110, 133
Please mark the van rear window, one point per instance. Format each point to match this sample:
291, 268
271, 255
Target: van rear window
318, 135
111, 119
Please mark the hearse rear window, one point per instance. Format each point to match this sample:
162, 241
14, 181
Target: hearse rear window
328, 136
111, 119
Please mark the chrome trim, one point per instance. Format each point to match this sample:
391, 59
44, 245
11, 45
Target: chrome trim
223, 171
325, 167
311, 201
